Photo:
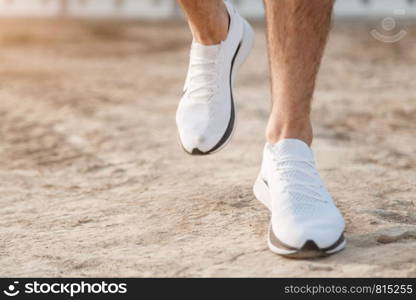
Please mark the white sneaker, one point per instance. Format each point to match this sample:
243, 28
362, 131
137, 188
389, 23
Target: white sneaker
206, 113
305, 222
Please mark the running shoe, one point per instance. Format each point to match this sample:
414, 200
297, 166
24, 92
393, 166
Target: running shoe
206, 113
305, 222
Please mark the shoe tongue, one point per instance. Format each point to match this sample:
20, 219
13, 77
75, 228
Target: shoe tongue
291, 148
203, 51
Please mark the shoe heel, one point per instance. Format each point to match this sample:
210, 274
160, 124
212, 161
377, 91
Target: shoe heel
261, 192
246, 46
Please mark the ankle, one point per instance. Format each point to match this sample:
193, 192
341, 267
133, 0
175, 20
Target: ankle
297, 129
214, 32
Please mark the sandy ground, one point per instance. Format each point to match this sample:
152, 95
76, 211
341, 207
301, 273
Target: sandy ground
94, 183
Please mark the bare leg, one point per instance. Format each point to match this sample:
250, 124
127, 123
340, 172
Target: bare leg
208, 20
296, 32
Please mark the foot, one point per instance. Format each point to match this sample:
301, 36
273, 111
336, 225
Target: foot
205, 116
305, 222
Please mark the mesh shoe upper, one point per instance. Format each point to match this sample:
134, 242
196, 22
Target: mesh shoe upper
302, 209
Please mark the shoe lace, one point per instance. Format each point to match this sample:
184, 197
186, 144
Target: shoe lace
290, 170
203, 79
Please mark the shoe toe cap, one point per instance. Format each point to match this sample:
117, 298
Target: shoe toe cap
199, 136
324, 232
194, 142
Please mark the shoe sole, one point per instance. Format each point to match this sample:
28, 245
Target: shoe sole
309, 249
241, 54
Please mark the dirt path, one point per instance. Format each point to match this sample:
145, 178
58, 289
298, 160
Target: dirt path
95, 184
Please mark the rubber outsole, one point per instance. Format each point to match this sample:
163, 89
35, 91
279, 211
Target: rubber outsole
309, 250
240, 56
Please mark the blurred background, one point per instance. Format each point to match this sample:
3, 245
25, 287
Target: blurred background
167, 8
94, 182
